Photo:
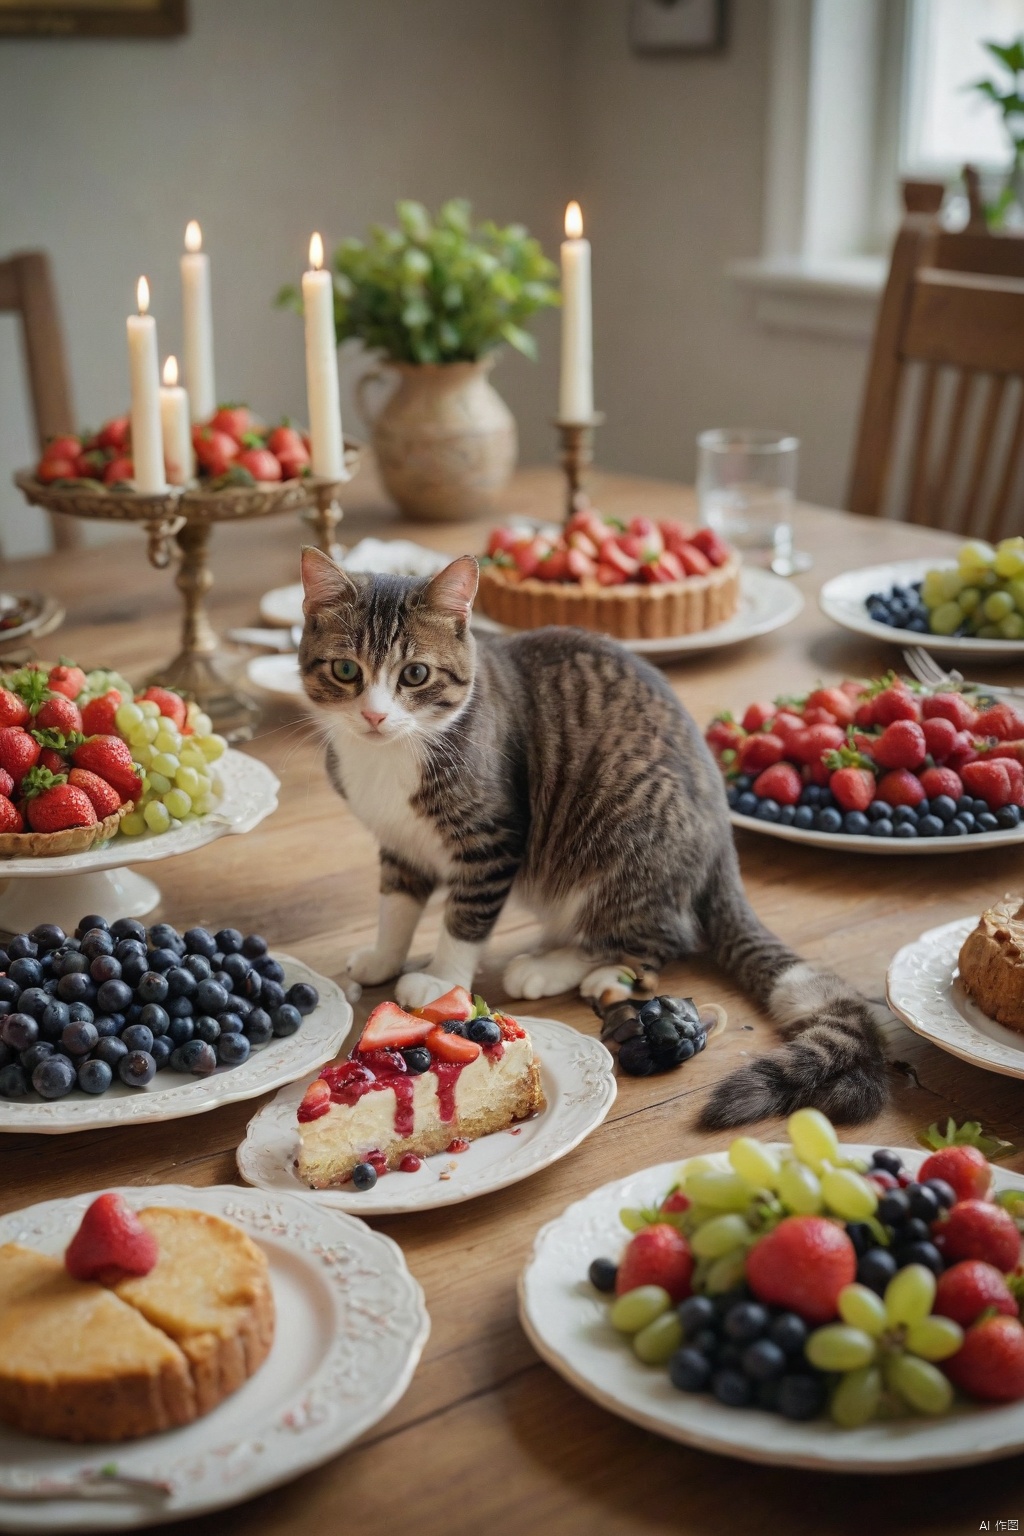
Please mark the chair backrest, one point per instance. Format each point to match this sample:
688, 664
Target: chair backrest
942, 422
27, 289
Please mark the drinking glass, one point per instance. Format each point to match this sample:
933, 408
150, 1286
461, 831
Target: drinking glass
746, 484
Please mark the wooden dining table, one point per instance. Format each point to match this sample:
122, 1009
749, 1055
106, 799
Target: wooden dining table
488, 1439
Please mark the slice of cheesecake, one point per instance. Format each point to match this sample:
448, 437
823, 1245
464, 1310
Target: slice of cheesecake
415, 1084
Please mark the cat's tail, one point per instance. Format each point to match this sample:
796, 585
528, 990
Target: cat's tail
834, 1060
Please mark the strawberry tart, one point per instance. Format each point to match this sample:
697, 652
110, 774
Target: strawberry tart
415, 1084
644, 581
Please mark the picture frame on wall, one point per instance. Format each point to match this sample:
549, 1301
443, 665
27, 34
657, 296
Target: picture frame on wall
93, 18
678, 26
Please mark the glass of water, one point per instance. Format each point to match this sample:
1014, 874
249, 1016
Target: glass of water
746, 485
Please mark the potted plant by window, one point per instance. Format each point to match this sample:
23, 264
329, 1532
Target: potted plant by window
435, 299
1006, 211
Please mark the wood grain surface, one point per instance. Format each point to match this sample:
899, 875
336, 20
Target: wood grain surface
487, 1439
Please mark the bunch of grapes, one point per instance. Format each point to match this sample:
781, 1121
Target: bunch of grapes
983, 595
179, 781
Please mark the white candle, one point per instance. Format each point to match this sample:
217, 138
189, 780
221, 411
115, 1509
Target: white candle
198, 325
327, 448
174, 422
576, 393
147, 438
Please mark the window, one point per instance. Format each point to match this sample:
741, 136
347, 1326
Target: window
944, 123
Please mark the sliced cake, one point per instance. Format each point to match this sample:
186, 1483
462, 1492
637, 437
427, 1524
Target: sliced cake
992, 962
414, 1085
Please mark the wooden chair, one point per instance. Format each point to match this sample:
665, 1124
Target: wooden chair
942, 423
27, 289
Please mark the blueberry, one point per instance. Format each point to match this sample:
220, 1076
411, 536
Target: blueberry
47, 936
763, 1361
198, 941
921, 1253
89, 922
271, 994
73, 988
922, 1201
233, 1049
804, 818
21, 947
913, 1230
745, 1321
1008, 817
163, 960
161, 1051
96, 944
987, 822
602, 1275
861, 1236
417, 1058
979, 807
224, 980
138, 1037
210, 1029
254, 945
889, 1162
94, 1076
211, 997
904, 830
747, 804
787, 815
696, 1313
810, 795
13, 1081
789, 1332
110, 1049
31, 1058
904, 814
919, 624
893, 1207
105, 968
944, 1193
25, 971
179, 983
828, 820
732, 794
364, 1176
237, 967
155, 1019
882, 827
134, 968
252, 987
259, 1029
136, 1069
128, 928
303, 996
689, 1370
180, 1031
54, 1077
856, 823
163, 936
707, 1342
33, 1001
79, 1038
879, 809
114, 996
19, 1031
10, 991
956, 828
944, 807
767, 810
125, 948
743, 781
732, 1388
197, 1057
801, 1396
930, 826
876, 1269
198, 966
965, 803
229, 941
483, 1031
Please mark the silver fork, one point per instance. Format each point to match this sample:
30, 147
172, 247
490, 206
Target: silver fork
927, 671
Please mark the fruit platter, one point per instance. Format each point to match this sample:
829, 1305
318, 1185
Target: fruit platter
876, 766
808, 1303
972, 607
115, 1023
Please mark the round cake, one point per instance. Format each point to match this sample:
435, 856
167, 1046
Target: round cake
992, 962
641, 581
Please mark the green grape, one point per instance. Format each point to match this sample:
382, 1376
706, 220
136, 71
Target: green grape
143, 755
720, 1236
632, 1219
969, 599
158, 817
178, 803
202, 725
165, 763
1009, 562
658, 1342
190, 756
863, 1309
213, 747
857, 1396
909, 1294
754, 1162
997, 605
976, 556
133, 824
726, 1273
168, 741
1016, 591
147, 707
1012, 627
634, 1309
188, 780
158, 783
127, 715
950, 584
813, 1137
799, 1189
838, 1347
945, 618
204, 783
931, 589
721, 1188
202, 805
934, 1338
920, 1384
847, 1194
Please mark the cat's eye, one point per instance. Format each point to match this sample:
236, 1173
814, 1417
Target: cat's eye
346, 671
415, 674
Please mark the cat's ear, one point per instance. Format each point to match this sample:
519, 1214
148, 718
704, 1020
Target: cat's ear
325, 584
452, 590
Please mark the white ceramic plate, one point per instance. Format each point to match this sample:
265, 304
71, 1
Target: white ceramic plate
277, 675
567, 1323
174, 1095
843, 598
923, 987
351, 1326
250, 794
844, 842
40, 611
579, 1089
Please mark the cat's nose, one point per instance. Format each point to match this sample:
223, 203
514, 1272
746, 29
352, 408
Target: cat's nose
373, 717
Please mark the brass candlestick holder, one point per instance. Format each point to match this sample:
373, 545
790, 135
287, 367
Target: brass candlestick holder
577, 453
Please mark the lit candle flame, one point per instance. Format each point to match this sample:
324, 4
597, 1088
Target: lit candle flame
573, 221
171, 371
193, 236
316, 253
142, 296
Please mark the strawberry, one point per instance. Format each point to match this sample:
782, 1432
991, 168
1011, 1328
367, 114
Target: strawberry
940, 737
608, 575
853, 787
612, 554
119, 470
66, 447
895, 703
102, 796
457, 1003
115, 433
18, 751
390, 1025
941, 781
234, 420
759, 751
554, 566
98, 714
91, 465
216, 451
815, 773
963, 751
664, 568
171, 704
864, 714
709, 543
837, 703
802, 1265
529, 553
510, 1028
901, 745
990, 1363
675, 1203
316, 1101
988, 781
758, 716
58, 713
110, 1243
56, 469
52, 761
901, 787
723, 734
285, 439
977, 1229
54, 805
449, 1047
968, 1289
810, 744
583, 542
6, 783
260, 462
652, 540
786, 724
949, 706
581, 566
111, 758
693, 562
780, 782
656, 1255
816, 716
964, 1169
10, 816
1001, 721
13, 710
67, 679
1015, 772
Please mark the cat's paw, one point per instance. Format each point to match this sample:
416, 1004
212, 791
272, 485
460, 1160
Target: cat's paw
417, 989
371, 966
544, 975
607, 984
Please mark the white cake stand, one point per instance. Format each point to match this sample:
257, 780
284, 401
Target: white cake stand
62, 890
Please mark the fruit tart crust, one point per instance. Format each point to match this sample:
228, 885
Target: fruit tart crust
992, 962
38, 845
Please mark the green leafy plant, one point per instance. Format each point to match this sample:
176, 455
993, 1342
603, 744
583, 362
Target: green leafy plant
1008, 96
438, 290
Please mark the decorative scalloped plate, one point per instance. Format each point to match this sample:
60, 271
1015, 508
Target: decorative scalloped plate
351, 1326
579, 1089
923, 987
567, 1323
250, 794
175, 1095
843, 600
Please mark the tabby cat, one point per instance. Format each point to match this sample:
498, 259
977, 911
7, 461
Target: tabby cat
556, 762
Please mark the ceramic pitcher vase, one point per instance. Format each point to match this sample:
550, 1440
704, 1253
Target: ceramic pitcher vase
444, 439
